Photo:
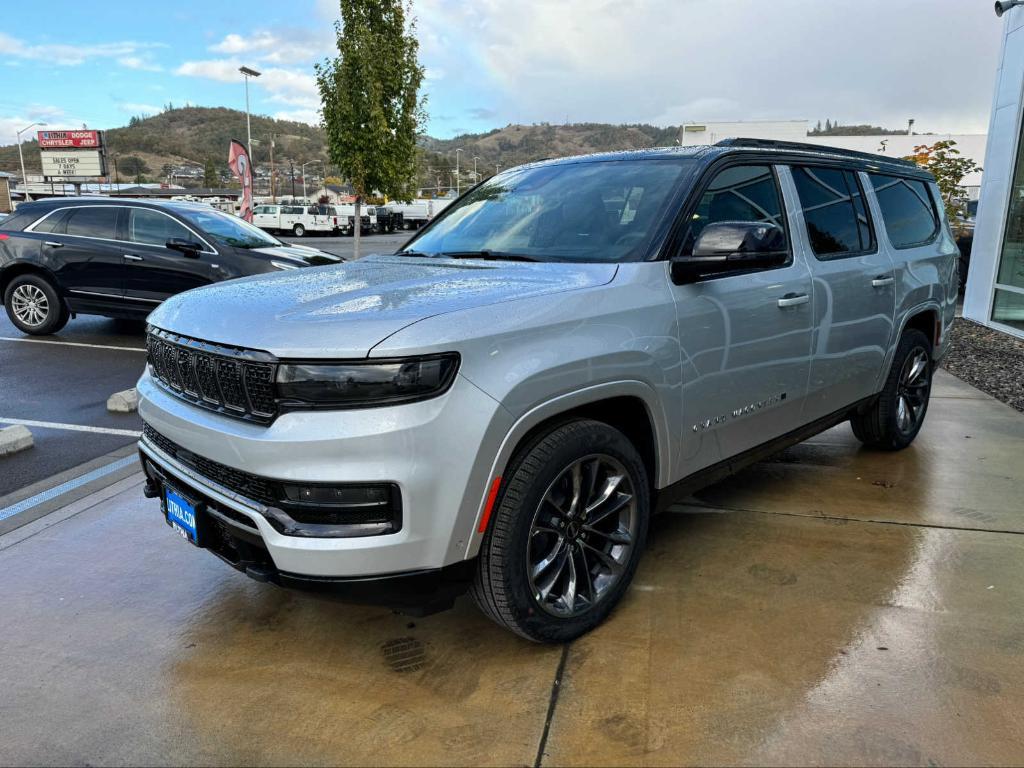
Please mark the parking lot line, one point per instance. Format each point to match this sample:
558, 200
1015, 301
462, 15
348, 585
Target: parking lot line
72, 427
70, 485
74, 344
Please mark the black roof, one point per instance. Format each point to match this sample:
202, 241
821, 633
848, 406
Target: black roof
778, 149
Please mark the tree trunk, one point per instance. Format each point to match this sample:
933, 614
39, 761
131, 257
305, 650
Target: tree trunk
358, 227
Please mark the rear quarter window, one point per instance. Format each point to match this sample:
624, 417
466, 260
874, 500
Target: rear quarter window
908, 210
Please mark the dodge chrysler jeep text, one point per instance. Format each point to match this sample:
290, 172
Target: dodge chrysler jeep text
573, 344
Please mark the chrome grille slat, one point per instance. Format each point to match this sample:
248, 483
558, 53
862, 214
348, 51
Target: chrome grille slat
232, 381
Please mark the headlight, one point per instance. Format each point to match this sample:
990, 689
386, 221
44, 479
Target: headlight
381, 382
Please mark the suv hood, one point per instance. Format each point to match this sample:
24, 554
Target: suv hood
299, 255
344, 311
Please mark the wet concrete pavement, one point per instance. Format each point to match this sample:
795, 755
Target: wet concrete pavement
831, 605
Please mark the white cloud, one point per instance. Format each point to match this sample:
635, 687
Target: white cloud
137, 62
295, 88
664, 60
66, 54
283, 46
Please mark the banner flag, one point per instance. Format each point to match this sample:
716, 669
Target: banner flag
238, 161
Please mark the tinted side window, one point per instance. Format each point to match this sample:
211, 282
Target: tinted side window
53, 224
907, 210
97, 221
834, 211
740, 193
154, 228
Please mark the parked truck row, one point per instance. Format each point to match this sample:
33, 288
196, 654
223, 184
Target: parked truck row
339, 219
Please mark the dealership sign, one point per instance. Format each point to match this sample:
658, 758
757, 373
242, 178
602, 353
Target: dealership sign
76, 163
70, 139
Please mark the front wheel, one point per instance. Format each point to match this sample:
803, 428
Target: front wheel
896, 417
566, 534
298, 230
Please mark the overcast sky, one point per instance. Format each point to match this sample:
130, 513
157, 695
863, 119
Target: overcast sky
492, 62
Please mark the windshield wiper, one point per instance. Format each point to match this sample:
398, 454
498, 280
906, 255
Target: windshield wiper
486, 254
419, 254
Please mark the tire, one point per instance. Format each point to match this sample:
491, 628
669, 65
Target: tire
298, 230
511, 577
895, 418
34, 306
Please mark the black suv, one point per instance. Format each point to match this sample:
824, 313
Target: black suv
121, 258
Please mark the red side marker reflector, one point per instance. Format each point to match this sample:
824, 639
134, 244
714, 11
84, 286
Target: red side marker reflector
4, 237
492, 496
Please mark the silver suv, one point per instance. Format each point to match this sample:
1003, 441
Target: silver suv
572, 345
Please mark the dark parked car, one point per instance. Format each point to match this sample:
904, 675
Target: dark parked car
121, 258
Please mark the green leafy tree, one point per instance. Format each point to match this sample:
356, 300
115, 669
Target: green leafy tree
210, 173
944, 161
371, 107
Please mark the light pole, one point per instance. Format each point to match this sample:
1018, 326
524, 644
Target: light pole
247, 73
476, 176
303, 167
21, 157
458, 181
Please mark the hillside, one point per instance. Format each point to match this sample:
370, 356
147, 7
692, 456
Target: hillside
191, 135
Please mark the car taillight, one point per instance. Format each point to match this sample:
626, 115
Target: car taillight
4, 237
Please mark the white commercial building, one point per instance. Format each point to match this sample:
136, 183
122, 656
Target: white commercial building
995, 283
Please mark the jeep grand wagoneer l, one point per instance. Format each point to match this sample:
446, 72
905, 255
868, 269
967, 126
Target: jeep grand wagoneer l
570, 346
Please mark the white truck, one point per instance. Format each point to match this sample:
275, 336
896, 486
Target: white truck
418, 212
297, 219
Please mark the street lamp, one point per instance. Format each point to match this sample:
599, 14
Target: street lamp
303, 169
476, 176
21, 157
247, 73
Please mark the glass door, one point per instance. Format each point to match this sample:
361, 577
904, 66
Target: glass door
1008, 302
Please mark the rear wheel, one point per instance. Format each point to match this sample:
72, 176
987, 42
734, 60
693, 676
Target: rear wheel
34, 306
298, 230
894, 420
566, 535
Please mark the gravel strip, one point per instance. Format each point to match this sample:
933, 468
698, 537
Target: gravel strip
990, 360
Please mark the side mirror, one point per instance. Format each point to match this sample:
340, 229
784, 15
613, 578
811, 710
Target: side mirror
728, 246
188, 248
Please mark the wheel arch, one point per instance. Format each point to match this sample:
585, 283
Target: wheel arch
15, 269
629, 406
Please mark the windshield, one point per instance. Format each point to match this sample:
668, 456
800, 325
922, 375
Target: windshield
227, 229
589, 212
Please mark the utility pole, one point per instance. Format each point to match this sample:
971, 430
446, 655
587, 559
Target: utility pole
476, 176
273, 196
247, 72
291, 172
458, 181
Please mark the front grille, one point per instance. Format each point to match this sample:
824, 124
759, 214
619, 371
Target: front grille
232, 381
250, 486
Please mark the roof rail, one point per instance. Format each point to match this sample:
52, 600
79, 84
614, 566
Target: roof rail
819, 148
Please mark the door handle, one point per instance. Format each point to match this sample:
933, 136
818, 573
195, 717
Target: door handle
53, 244
132, 257
882, 280
793, 300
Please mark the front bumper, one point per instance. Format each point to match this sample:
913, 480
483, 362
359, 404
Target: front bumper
235, 539
438, 452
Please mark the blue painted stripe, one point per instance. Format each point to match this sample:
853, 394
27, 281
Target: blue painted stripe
70, 485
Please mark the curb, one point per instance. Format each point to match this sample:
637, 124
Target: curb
14, 439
